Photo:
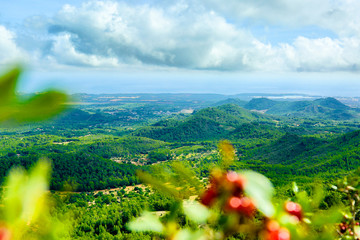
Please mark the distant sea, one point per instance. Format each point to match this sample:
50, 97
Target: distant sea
320, 84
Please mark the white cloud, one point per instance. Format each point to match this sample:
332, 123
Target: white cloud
199, 35
9, 52
67, 54
191, 36
342, 17
176, 36
324, 54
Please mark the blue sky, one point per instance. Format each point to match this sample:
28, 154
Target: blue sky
184, 46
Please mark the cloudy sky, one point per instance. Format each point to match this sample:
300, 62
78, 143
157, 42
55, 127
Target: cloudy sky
227, 46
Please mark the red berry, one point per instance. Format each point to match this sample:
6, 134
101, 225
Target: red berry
231, 176
277, 234
237, 181
294, 209
241, 205
232, 204
272, 226
5, 234
246, 207
209, 196
283, 234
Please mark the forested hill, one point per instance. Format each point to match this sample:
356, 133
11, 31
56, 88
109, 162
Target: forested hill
209, 124
85, 163
261, 104
310, 155
287, 149
235, 101
324, 108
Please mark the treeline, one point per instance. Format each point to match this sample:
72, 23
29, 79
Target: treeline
77, 171
87, 167
107, 218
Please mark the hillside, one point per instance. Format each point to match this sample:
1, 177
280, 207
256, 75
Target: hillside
312, 156
78, 118
287, 149
339, 155
324, 108
206, 124
87, 163
260, 104
235, 101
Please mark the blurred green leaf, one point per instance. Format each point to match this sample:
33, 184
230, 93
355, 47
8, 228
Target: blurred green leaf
158, 185
186, 234
295, 187
261, 190
318, 195
24, 195
304, 200
26, 205
41, 106
146, 222
196, 211
227, 153
330, 216
357, 230
8, 85
187, 177
14, 190
178, 181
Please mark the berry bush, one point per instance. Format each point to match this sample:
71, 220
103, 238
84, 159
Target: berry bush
241, 205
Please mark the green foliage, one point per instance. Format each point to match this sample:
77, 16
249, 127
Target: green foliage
38, 107
259, 188
25, 209
179, 181
222, 219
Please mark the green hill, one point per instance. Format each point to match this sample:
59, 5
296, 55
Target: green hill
206, 124
324, 108
78, 118
254, 131
235, 101
331, 103
287, 149
260, 104
307, 156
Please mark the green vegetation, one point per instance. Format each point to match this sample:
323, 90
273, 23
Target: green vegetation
325, 108
98, 144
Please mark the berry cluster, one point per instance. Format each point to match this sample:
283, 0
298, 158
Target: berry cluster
346, 228
226, 191
273, 231
228, 188
294, 209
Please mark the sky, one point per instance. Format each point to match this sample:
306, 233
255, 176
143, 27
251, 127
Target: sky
233, 46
